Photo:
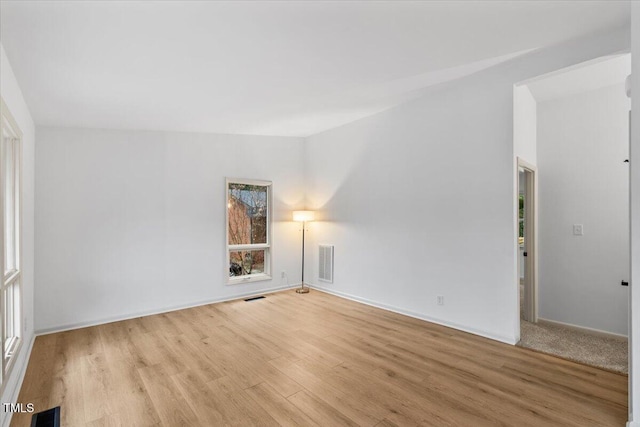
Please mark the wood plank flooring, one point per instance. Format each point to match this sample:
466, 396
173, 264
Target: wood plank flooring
308, 360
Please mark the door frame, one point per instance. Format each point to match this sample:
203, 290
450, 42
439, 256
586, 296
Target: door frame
531, 240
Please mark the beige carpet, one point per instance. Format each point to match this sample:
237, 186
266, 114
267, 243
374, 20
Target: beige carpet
591, 349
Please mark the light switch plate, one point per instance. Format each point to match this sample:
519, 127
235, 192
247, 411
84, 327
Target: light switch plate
578, 230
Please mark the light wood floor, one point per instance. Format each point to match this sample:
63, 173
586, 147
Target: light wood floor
310, 359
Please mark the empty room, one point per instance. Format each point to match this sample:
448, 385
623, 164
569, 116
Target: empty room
327, 213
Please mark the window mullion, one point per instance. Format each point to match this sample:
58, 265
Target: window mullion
249, 247
10, 277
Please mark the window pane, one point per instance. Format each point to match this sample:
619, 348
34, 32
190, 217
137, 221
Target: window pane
15, 295
9, 206
8, 317
247, 214
11, 316
244, 263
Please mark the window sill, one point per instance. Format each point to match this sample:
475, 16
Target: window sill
248, 279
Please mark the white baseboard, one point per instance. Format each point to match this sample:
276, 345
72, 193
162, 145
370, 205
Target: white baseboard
583, 329
485, 334
13, 395
633, 423
72, 326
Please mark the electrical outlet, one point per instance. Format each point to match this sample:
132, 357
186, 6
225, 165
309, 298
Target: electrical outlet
440, 300
578, 230
283, 274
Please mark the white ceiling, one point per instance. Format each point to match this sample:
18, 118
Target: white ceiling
272, 68
582, 78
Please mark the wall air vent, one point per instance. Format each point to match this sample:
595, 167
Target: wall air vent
325, 264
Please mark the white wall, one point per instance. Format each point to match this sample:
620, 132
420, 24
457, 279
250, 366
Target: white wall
582, 178
634, 192
419, 200
10, 92
524, 124
133, 222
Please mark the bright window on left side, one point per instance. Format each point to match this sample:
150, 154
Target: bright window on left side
248, 230
11, 287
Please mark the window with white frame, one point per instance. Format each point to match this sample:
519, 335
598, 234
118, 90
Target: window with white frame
248, 230
10, 288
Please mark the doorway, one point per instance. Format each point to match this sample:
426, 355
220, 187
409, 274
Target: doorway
572, 212
527, 241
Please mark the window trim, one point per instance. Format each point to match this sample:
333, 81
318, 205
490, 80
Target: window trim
13, 277
267, 247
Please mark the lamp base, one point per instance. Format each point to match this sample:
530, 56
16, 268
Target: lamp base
302, 289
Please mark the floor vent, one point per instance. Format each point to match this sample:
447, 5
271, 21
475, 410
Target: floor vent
325, 264
48, 418
254, 298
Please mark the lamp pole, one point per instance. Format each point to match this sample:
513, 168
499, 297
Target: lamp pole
303, 217
302, 289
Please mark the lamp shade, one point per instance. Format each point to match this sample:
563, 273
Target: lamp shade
302, 216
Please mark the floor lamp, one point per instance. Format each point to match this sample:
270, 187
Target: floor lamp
303, 217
